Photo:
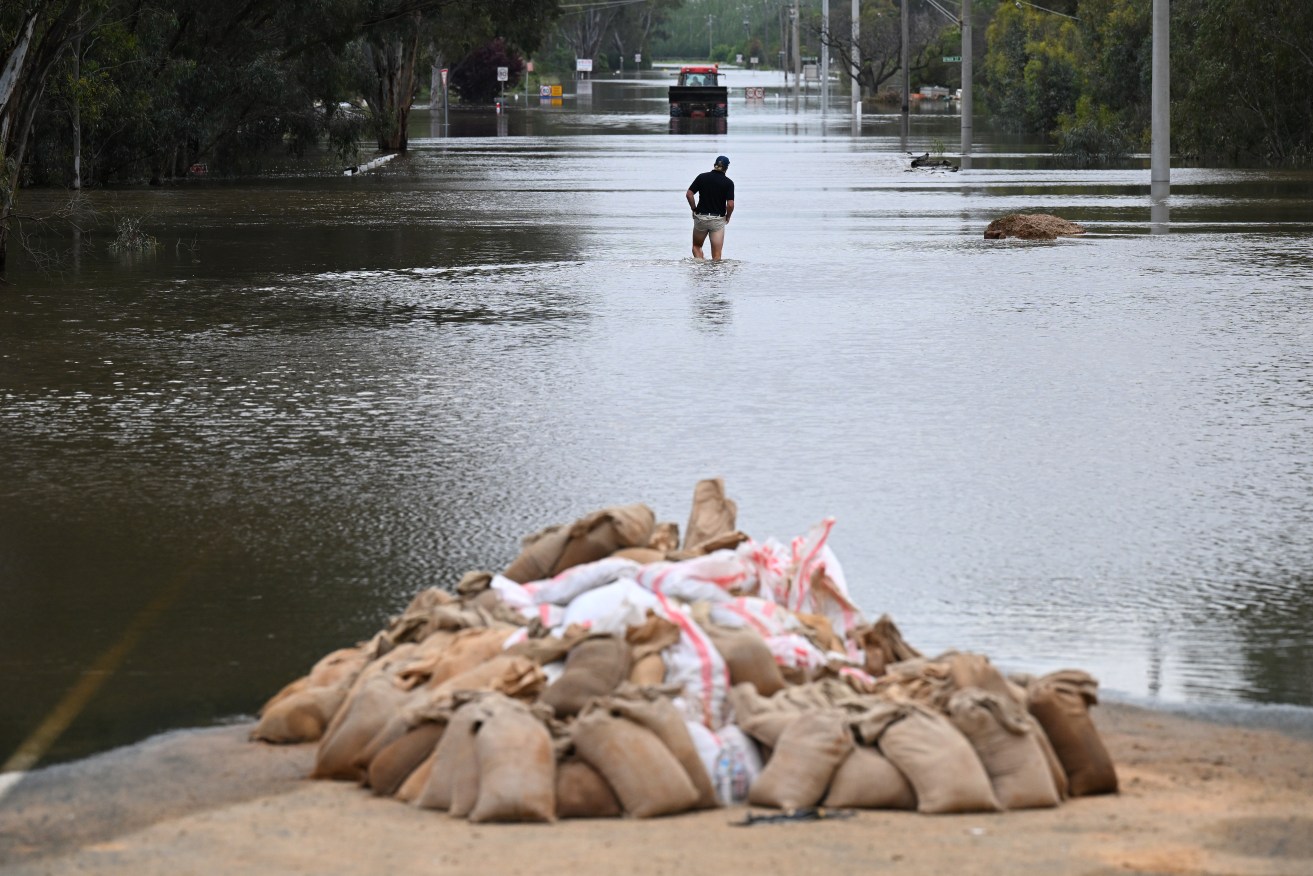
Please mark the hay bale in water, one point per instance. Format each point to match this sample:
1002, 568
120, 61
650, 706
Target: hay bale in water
1031, 226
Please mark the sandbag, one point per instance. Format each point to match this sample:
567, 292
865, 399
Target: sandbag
390, 768
604, 532
462, 652
967, 670
539, 554
712, 513
337, 669
517, 765
453, 782
665, 537
1060, 702
581, 792
938, 761
595, 667
760, 717
746, 654
648, 780
1008, 747
818, 628
649, 671
372, 701
640, 555
302, 710
804, 759
662, 717
301, 716
883, 645
508, 674
867, 780
413, 786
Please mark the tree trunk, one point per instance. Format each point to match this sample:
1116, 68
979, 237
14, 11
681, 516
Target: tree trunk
395, 57
22, 82
77, 114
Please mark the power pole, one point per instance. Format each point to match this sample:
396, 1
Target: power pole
857, 67
710, 48
825, 56
966, 82
797, 56
907, 77
1160, 130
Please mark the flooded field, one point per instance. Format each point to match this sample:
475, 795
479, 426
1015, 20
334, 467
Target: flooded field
322, 393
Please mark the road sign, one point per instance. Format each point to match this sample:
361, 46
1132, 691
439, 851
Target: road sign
638, 57
952, 59
503, 74
583, 65
444, 77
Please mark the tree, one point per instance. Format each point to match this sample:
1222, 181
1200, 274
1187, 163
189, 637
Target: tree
397, 31
35, 36
475, 77
1239, 83
1031, 74
880, 39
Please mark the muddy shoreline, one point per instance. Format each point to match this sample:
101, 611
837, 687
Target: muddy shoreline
1198, 797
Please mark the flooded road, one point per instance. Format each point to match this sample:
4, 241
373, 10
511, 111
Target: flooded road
321, 394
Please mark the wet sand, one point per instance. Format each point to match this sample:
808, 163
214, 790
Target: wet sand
1197, 798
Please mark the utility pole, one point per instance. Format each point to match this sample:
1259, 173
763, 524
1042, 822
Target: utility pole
825, 56
857, 67
710, 47
966, 83
1160, 111
797, 56
907, 77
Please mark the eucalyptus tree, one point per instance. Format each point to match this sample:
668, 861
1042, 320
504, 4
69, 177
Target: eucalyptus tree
34, 36
399, 36
880, 39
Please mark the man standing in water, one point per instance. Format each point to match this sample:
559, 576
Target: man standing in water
714, 206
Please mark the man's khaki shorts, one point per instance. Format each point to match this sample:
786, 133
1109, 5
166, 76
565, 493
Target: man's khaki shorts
708, 223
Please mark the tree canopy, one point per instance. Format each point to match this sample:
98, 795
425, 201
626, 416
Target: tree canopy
122, 90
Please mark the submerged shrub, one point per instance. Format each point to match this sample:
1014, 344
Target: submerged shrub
1093, 136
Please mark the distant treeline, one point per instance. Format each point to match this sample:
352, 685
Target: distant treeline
101, 91
1074, 71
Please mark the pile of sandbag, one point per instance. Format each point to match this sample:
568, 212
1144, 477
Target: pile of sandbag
612, 669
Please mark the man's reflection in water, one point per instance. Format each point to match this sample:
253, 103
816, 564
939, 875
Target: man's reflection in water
711, 286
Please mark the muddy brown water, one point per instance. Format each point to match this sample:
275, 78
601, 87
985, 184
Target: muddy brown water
320, 394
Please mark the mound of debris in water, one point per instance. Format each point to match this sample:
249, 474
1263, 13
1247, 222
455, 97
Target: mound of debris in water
612, 670
1031, 226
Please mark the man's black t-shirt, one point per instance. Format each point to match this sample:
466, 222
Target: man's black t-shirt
713, 189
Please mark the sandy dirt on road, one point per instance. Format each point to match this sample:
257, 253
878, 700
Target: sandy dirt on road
1196, 798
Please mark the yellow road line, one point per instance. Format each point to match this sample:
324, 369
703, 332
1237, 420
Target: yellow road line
67, 709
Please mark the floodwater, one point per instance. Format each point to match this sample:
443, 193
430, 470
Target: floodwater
321, 394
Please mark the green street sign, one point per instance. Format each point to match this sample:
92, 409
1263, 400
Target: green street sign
952, 59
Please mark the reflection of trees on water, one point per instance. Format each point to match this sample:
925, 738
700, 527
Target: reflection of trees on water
1273, 632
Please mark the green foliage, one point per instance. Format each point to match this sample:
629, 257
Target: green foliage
475, 78
1032, 73
1093, 135
1240, 83
129, 236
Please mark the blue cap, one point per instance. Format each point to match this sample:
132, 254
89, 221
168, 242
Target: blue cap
722, 161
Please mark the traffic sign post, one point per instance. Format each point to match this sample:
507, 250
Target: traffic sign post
445, 128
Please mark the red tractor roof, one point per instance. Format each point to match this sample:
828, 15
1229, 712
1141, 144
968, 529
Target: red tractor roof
705, 68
